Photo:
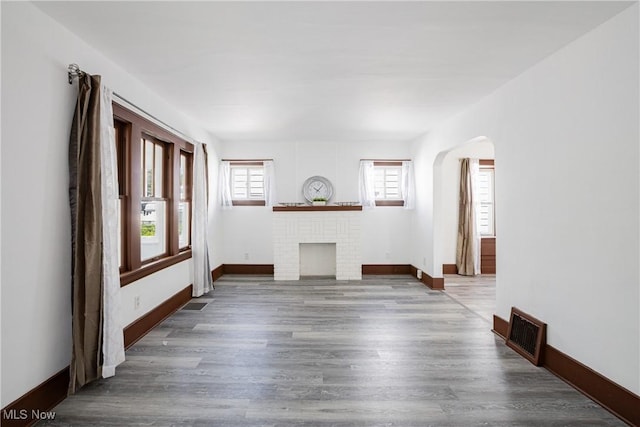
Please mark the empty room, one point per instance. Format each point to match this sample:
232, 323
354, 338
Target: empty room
311, 213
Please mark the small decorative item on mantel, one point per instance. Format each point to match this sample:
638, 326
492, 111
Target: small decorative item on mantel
319, 201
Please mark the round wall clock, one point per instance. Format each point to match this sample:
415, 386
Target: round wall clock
317, 187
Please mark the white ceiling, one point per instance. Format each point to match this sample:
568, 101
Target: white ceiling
338, 71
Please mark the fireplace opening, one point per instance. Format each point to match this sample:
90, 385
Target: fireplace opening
318, 260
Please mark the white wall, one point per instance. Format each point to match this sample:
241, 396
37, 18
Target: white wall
247, 230
216, 229
154, 290
37, 106
450, 170
566, 139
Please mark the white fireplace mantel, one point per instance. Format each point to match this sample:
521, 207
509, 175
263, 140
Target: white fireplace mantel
295, 226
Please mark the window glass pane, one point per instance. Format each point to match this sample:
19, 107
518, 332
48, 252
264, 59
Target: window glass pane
387, 182
119, 128
120, 241
144, 175
153, 229
485, 219
184, 233
183, 176
158, 186
147, 190
247, 182
392, 184
484, 185
484, 188
239, 183
256, 185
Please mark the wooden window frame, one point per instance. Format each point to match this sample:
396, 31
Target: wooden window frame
130, 185
388, 163
247, 202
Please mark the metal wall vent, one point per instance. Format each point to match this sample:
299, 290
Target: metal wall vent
526, 335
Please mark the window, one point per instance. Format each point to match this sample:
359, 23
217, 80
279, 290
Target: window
247, 183
184, 207
387, 183
154, 202
154, 179
485, 189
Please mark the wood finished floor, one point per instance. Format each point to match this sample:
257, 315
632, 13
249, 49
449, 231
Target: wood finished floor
384, 351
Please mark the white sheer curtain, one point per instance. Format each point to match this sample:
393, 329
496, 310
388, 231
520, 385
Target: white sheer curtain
474, 167
269, 183
224, 184
408, 185
202, 281
366, 190
112, 327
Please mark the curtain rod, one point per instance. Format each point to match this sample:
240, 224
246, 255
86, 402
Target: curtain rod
75, 71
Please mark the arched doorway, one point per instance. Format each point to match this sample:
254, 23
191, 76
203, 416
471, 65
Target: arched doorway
446, 201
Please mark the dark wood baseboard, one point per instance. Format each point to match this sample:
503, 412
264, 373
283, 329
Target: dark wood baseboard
616, 399
500, 327
435, 283
41, 399
613, 397
261, 269
267, 269
217, 272
449, 269
386, 269
139, 328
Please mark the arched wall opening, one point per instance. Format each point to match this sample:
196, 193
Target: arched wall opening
446, 179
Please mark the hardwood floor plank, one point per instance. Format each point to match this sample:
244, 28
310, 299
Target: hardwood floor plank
384, 351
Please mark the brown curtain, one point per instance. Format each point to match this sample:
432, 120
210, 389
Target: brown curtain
86, 234
466, 250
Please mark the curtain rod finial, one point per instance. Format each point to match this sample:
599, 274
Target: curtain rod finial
73, 71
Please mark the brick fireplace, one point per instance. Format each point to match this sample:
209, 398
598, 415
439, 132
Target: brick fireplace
340, 225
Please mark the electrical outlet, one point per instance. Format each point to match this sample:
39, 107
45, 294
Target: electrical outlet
136, 302
387, 255
246, 256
